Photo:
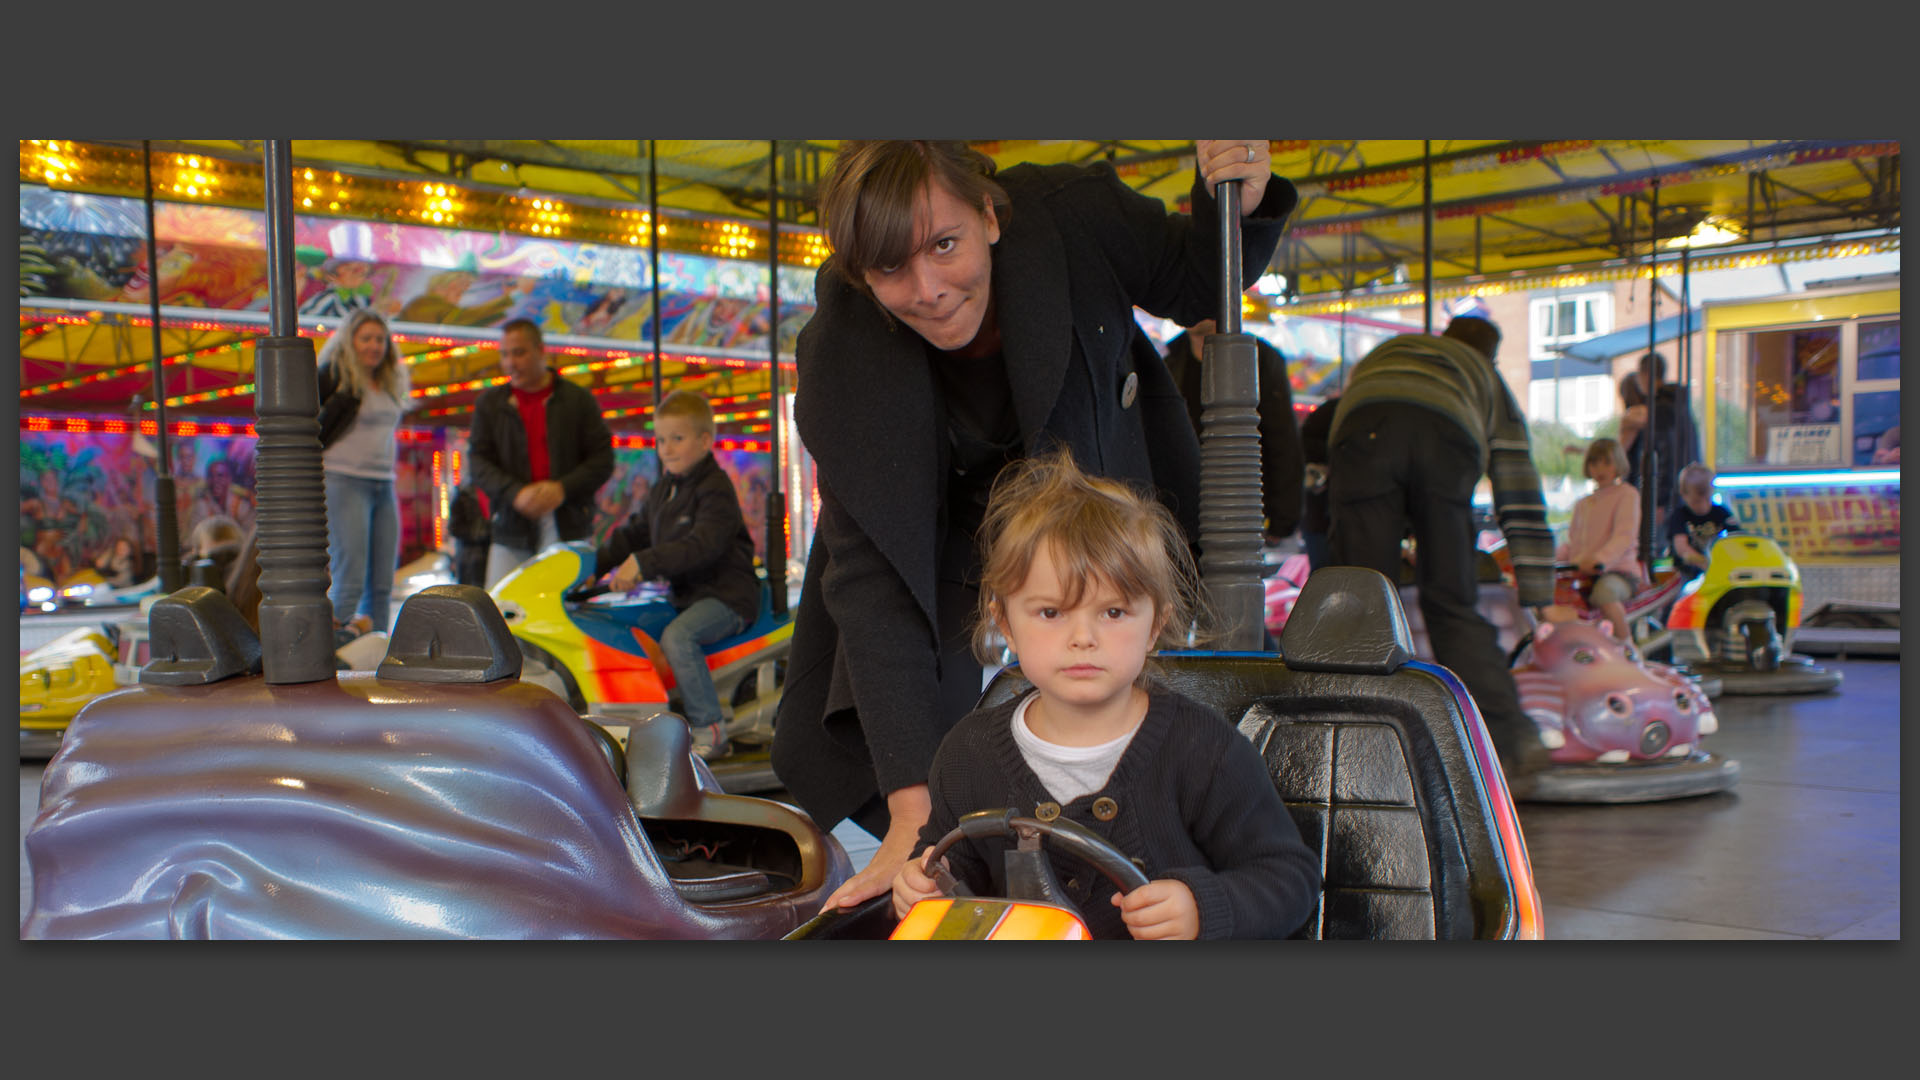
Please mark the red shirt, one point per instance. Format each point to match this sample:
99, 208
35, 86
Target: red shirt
533, 414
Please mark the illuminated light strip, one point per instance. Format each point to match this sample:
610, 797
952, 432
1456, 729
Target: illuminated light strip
1762, 480
88, 425
1519, 280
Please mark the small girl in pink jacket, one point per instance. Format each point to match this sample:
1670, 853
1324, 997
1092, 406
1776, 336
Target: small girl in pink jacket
1605, 529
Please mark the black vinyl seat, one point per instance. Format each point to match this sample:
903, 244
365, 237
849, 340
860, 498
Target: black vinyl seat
1372, 754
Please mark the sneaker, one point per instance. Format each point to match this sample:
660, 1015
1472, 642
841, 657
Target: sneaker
710, 742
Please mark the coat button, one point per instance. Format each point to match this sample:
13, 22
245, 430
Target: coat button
1104, 808
1047, 811
1128, 392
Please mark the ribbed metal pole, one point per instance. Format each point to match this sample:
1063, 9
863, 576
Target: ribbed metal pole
1649, 460
296, 621
1230, 506
776, 498
166, 528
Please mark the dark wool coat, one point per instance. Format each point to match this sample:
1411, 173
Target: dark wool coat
1077, 251
579, 455
1282, 462
690, 531
1192, 801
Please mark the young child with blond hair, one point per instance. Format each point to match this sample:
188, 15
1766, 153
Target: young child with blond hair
1602, 537
690, 531
1084, 577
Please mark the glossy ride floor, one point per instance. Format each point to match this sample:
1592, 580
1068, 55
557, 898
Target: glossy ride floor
1807, 845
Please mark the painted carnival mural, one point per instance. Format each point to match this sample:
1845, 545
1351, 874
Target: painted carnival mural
92, 247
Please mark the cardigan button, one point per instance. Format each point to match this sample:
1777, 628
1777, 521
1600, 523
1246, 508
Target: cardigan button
1105, 808
1130, 390
1047, 811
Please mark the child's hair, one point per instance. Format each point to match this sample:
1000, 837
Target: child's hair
690, 405
1095, 528
1696, 478
1609, 450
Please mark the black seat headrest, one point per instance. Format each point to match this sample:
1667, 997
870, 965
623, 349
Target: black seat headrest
1347, 619
198, 637
451, 634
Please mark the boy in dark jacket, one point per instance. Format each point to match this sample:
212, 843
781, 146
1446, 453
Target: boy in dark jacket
690, 532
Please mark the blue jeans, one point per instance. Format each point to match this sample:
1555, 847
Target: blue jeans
363, 546
702, 623
503, 559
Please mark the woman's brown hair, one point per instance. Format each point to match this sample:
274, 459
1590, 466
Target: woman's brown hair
870, 193
1095, 529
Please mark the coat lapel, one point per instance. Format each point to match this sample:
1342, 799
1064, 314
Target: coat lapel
865, 409
1030, 293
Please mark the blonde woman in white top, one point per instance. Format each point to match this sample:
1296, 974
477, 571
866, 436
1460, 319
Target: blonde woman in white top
364, 391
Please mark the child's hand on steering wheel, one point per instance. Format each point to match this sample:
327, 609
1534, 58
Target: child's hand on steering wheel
625, 575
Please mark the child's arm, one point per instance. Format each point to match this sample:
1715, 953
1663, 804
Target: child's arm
1261, 880
625, 539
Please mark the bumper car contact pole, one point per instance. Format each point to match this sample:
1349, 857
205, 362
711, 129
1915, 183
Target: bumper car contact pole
1649, 459
1230, 509
166, 538
776, 515
296, 620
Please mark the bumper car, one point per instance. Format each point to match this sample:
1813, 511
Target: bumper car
1383, 761
1619, 728
600, 651
437, 796
1282, 590
57, 680
1736, 621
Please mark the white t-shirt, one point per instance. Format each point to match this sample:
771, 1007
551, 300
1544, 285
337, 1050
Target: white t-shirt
1067, 772
366, 448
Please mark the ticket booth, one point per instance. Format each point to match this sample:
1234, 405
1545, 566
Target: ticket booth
1800, 418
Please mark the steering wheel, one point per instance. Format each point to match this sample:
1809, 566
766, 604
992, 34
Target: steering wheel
1078, 840
586, 592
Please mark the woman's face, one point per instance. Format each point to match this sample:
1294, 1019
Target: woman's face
942, 290
370, 344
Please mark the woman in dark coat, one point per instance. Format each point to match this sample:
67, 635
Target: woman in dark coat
965, 320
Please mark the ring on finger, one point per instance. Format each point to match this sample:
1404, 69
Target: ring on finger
1249, 153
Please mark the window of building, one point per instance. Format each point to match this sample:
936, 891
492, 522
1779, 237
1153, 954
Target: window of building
1781, 400
1563, 320
1876, 394
1581, 402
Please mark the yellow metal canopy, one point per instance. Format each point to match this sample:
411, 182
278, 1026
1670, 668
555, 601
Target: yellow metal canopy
1505, 212
1499, 205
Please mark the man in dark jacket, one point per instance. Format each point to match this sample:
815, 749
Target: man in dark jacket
539, 450
1281, 462
690, 531
1676, 443
969, 318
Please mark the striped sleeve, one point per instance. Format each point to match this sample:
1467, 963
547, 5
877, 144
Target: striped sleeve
1518, 503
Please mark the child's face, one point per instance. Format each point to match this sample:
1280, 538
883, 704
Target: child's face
1084, 657
1602, 472
680, 442
1699, 500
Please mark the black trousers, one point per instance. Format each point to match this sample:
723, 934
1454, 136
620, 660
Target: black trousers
1399, 465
